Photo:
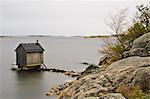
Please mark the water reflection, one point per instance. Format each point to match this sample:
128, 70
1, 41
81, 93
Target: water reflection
29, 75
29, 84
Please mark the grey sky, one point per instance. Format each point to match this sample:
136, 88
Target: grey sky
59, 17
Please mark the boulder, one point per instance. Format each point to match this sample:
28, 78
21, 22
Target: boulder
103, 60
142, 41
90, 69
72, 73
142, 78
131, 71
140, 47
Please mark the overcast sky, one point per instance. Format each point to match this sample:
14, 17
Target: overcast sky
60, 17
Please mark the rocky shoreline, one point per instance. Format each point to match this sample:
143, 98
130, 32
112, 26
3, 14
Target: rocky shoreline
103, 81
56, 90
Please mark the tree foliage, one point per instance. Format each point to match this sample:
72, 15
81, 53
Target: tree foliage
134, 32
144, 15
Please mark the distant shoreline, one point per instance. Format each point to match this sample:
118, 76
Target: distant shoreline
97, 36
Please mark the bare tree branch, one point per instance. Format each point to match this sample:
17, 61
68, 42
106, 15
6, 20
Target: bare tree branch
118, 23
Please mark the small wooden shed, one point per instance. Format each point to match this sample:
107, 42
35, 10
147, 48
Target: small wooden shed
29, 55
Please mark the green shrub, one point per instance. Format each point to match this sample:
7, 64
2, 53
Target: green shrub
116, 53
134, 32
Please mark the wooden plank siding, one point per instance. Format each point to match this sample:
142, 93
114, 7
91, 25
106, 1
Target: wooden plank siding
34, 59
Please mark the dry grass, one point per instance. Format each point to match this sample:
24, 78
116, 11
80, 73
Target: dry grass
132, 92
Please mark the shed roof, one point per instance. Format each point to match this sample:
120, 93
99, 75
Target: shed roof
31, 47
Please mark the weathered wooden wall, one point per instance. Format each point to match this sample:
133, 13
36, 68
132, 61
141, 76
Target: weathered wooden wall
34, 58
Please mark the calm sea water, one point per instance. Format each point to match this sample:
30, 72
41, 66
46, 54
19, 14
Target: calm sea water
60, 52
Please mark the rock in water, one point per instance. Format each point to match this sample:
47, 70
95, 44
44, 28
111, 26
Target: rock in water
90, 69
142, 41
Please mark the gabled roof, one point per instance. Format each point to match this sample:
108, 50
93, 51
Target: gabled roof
31, 47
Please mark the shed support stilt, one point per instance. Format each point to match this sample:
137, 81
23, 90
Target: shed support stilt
44, 66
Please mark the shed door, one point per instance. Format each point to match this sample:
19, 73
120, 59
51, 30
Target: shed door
34, 58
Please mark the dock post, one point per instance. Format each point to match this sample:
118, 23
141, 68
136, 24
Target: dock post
44, 66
